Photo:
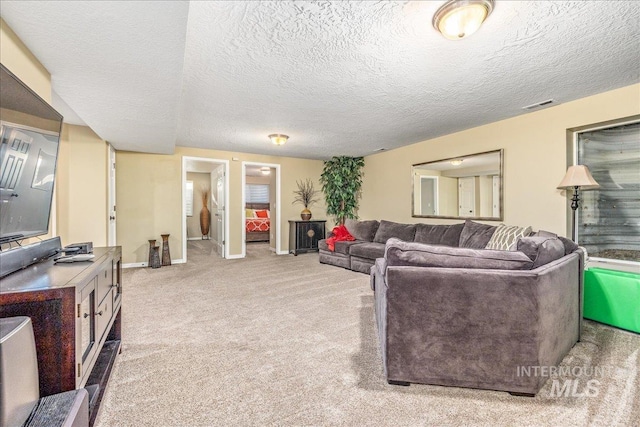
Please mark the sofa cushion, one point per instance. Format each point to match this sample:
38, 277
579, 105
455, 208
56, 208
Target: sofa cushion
388, 229
475, 235
362, 230
400, 253
541, 250
448, 235
506, 236
569, 245
370, 250
341, 246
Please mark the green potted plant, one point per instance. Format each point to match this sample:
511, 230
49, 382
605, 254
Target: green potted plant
306, 195
341, 181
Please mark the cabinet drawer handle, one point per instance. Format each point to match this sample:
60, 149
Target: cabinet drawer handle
99, 313
85, 315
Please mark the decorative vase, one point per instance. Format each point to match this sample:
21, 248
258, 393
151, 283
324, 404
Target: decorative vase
155, 257
205, 221
305, 214
152, 243
166, 256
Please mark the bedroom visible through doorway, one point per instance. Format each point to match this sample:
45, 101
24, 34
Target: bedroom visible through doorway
260, 189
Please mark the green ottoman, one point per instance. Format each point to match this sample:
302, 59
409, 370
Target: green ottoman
612, 297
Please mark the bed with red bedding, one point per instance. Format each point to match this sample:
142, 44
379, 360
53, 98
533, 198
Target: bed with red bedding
257, 229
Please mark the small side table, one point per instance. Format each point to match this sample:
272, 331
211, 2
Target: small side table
304, 235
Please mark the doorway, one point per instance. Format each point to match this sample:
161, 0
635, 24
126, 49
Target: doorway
265, 177
467, 196
205, 183
111, 189
428, 195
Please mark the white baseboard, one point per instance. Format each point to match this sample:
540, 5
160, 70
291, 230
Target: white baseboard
282, 252
135, 265
236, 256
146, 264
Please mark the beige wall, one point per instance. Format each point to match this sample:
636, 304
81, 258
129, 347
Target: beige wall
200, 181
265, 179
150, 197
82, 180
535, 161
20, 61
81, 175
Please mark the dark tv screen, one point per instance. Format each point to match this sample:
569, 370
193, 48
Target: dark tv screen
30, 135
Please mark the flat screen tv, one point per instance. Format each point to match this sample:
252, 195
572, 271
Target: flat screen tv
30, 135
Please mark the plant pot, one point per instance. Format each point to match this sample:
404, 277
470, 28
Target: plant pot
305, 214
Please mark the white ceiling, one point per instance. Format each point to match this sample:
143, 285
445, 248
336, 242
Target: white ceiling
340, 78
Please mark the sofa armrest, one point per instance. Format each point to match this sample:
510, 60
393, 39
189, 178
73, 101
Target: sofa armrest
474, 327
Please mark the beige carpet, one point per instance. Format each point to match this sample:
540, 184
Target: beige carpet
284, 340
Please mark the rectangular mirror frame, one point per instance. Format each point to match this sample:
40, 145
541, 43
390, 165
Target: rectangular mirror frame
483, 218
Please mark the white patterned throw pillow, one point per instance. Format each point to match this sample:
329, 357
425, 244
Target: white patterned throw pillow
506, 236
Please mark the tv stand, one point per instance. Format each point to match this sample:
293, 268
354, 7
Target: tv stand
76, 314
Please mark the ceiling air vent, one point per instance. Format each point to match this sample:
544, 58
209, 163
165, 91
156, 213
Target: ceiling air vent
539, 105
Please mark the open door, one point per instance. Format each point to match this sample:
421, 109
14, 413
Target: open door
111, 231
218, 194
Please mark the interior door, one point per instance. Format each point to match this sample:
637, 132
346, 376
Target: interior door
496, 196
111, 231
466, 196
428, 196
219, 215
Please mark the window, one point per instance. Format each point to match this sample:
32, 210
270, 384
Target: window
189, 200
609, 217
257, 193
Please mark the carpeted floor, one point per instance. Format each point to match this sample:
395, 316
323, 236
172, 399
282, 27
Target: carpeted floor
284, 340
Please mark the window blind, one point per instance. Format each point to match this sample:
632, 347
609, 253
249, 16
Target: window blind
257, 193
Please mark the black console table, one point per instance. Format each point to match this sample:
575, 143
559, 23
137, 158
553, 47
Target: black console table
75, 311
304, 235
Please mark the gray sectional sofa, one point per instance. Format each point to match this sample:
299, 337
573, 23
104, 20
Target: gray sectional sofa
371, 237
451, 312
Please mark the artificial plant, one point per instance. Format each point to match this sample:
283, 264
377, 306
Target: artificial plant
341, 181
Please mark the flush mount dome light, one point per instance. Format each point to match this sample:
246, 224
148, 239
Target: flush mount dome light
265, 170
456, 162
278, 138
457, 19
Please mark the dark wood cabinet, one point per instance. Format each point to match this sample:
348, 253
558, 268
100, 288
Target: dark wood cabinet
304, 235
75, 312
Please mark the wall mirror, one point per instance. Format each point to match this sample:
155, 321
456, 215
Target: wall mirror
467, 187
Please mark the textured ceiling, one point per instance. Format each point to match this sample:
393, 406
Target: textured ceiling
340, 78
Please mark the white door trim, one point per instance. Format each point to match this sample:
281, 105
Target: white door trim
278, 207
111, 196
184, 204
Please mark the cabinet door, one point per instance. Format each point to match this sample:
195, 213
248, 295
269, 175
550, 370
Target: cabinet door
116, 273
105, 280
86, 314
308, 233
103, 316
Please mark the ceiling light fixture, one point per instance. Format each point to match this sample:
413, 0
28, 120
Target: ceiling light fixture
456, 162
265, 170
278, 138
457, 19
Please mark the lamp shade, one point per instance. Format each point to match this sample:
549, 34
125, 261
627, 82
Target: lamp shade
578, 176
